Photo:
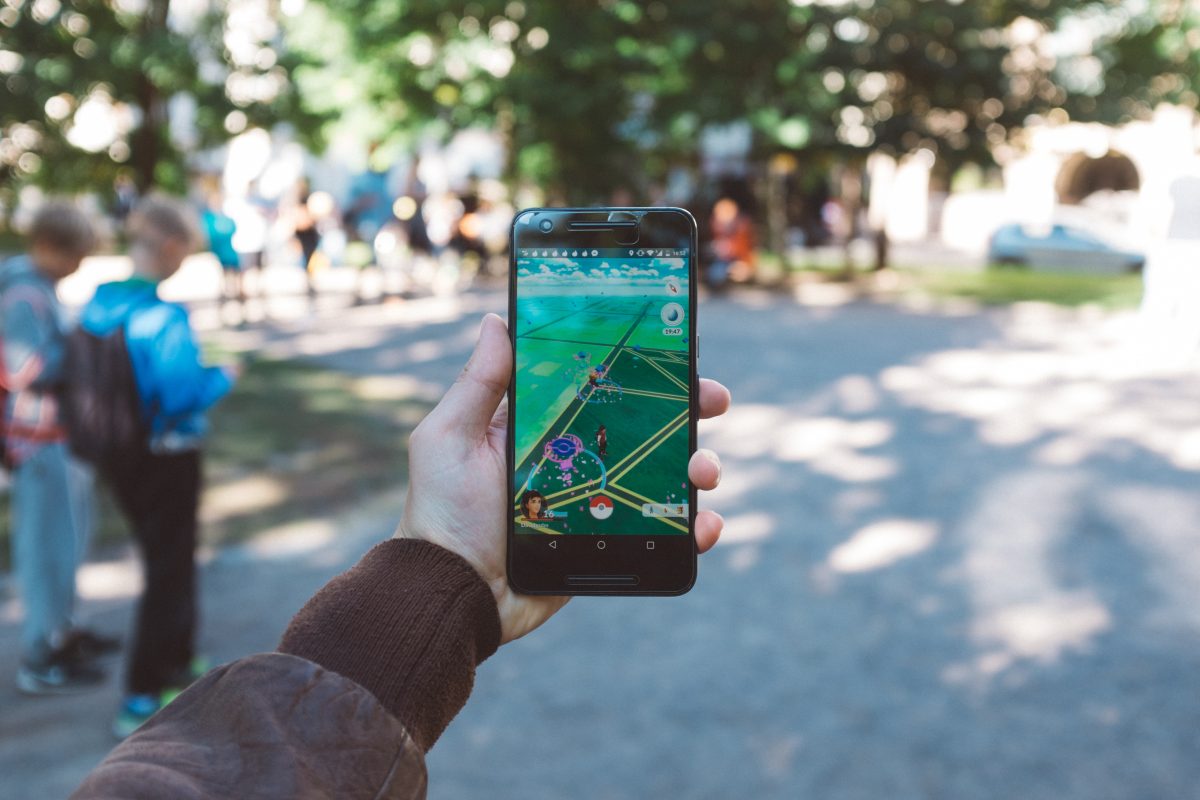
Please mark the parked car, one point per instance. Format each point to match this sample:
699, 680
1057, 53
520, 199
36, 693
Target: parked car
1061, 248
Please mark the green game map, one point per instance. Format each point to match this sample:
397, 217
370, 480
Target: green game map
602, 398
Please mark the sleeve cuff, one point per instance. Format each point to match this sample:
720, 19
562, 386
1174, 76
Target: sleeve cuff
409, 623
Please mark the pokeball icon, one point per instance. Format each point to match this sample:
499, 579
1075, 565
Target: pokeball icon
672, 314
601, 507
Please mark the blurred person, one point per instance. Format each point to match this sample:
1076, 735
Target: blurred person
219, 232
412, 210
157, 485
251, 219
307, 233
415, 227
441, 215
835, 220
466, 241
495, 217
369, 203
373, 668
125, 196
733, 244
50, 499
368, 212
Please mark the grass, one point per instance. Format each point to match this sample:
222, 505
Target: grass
1003, 286
999, 285
291, 442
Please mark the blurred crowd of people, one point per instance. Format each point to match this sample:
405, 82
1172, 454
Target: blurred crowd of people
410, 242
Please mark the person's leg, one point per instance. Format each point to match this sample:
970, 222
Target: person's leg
161, 497
82, 481
44, 549
231, 291
308, 249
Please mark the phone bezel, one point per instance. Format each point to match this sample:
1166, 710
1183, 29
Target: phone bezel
670, 568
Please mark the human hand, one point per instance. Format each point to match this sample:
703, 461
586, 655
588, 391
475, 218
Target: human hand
458, 483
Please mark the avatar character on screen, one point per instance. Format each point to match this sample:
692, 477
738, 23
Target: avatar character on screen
602, 442
533, 506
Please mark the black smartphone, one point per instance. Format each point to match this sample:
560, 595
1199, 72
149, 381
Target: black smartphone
602, 402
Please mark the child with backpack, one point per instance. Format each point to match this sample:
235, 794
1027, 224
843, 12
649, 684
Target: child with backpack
156, 476
47, 507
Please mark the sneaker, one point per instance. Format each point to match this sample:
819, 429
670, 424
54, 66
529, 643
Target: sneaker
135, 711
184, 677
88, 644
138, 708
61, 672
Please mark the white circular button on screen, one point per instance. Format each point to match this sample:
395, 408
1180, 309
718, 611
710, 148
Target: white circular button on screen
672, 314
601, 507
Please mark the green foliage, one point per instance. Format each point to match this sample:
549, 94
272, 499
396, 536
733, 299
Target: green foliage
589, 95
1143, 54
87, 88
592, 95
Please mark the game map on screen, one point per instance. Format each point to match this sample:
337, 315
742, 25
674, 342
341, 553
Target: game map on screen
602, 398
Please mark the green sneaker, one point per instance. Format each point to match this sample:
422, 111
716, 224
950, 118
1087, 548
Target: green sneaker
135, 711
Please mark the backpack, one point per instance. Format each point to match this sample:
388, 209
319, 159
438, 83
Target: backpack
101, 407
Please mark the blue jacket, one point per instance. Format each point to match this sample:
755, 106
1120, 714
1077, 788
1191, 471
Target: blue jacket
31, 361
174, 387
220, 229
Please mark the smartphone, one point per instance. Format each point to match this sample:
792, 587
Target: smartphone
602, 402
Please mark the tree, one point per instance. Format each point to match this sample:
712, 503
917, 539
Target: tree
87, 89
596, 94
1131, 58
590, 83
553, 78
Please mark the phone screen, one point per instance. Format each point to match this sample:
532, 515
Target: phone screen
601, 391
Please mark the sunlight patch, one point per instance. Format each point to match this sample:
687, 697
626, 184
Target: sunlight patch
882, 544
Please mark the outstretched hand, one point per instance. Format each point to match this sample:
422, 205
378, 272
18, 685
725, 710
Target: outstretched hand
458, 482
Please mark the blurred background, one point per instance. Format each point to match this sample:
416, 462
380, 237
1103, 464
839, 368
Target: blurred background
951, 259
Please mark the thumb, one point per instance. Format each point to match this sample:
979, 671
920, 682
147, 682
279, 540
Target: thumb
470, 403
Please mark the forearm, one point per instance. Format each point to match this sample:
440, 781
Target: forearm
386, 657
409, 623
33, 350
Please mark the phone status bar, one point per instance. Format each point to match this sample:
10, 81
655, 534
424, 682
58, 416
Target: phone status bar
607, 252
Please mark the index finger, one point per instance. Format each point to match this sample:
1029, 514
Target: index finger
714, 398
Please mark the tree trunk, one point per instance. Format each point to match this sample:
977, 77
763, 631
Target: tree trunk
851, 193
148, 138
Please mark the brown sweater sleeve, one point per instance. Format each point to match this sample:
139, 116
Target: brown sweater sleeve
409, 623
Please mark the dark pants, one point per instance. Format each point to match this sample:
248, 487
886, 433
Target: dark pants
160, 497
